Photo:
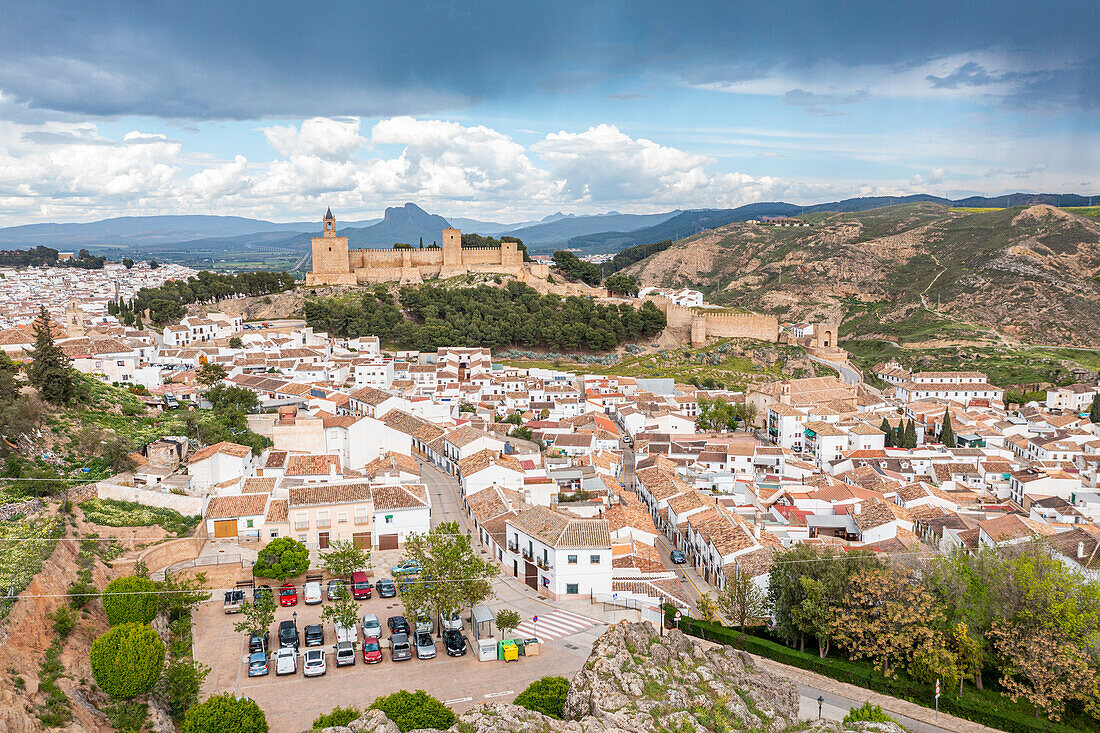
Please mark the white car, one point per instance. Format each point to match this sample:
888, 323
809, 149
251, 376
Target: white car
371, 627
452, 622
312, 593
314, 663
286, 661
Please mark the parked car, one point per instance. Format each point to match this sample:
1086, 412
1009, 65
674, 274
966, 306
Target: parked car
400, 649
233, 601
371, 626
454, 643
344, 633
405, 567
257, 641
677, 557
312, 593
344, 651
398, 625
258, 665
288, 634
386, 588
360, 585
313, 664
452, 621
335, 588
424, 622
288, 595
425, 647
260, 591
286, 661
315, 635
372, 651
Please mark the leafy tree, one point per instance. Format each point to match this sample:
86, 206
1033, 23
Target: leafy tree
337, 716
507, 619
413, 710
622, 285
968, 653
885, 617
18, 413
343, 611
1044, 666
127, 263
742, 599
935, 662
257, 614
814, 615
345, 557
1094, 409
127, 660
947, 433
452, 575
129, 600
225, 713
210, 374
229, 400
183, 680
910, 435
236, 343
546, 696
50, 372
282, 558
708, 607
574, 268
153, 264
177, 596
630, 255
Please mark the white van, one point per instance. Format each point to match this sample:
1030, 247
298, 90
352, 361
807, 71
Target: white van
346, 634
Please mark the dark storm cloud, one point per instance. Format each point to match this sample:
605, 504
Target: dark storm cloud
249, 60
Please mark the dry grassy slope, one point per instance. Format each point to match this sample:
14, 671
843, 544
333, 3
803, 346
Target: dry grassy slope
1029, 273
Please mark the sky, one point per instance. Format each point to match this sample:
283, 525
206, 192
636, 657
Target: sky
510, 111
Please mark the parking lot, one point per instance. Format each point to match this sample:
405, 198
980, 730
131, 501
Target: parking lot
292, 702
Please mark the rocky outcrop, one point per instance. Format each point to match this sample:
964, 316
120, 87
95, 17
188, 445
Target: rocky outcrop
638, 681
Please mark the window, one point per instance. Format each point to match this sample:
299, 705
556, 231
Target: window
571, 559
389, 519
571, 589
594, 559
248, 523
273, 534
302, 537
341, 517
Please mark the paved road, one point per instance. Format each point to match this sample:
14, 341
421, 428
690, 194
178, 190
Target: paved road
835, 707
849, 375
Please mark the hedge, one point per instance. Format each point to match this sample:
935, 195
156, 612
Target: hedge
127, 660
546, 696
415, 710
130, 600
992, 711
225, 713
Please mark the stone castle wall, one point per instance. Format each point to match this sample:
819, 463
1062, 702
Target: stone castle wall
702, 325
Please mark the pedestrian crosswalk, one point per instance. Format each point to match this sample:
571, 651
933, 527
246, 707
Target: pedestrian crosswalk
554, 625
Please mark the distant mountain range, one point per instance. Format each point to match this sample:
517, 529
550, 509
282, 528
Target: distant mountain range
598, 233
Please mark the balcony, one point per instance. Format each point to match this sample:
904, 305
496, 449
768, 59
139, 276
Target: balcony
513, 547
301, 525
323, 523
527, 555
361, 520
544, 564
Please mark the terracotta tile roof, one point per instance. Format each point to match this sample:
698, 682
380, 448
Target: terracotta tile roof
312, 465
258, 485
391, 461
231, 507
315, 494
232, 449
275, 459
405, 496
561, 531
277, 511
370, 396
483, 459
874, 514
665, 588
412, 425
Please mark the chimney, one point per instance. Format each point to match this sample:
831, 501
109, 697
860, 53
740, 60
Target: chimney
333, 470
1080, 550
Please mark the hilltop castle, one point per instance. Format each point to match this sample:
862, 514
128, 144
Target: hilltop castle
335, 264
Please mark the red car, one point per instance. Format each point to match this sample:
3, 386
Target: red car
288, 595
372, 652
360, 585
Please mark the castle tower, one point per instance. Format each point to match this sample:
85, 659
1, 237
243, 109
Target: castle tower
452, 247
330, 256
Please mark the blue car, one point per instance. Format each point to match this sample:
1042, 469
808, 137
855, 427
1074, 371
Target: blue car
677, 557
405, 567
257, 664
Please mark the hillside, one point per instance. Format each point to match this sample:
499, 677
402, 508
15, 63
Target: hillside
916, 273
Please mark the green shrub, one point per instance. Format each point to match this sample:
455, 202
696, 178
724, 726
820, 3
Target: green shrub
127, 660
337, 716
80, 592
63, 621
113, 513
546, 696
411, 710
128, 717
282, 558
130, 600
868, 713
225, 714
182, 681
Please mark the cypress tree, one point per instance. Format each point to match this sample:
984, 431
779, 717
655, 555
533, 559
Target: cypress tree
947, 435
911, 434
50, 372
1094, 410
885, 427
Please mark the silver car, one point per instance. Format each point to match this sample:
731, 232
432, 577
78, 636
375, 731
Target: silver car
371, 626
425, 647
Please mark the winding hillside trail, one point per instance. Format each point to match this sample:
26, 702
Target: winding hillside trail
924, 303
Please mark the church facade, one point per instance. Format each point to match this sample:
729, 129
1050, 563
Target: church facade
335, 264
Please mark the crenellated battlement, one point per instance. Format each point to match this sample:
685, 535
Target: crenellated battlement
703, 325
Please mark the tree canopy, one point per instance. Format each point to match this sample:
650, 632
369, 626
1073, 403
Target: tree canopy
50, 371
574, 268
225, 713
130, 599
413, 710
166, 302
127, 660
282, 558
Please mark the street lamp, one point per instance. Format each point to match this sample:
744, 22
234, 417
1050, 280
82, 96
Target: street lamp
820, 702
